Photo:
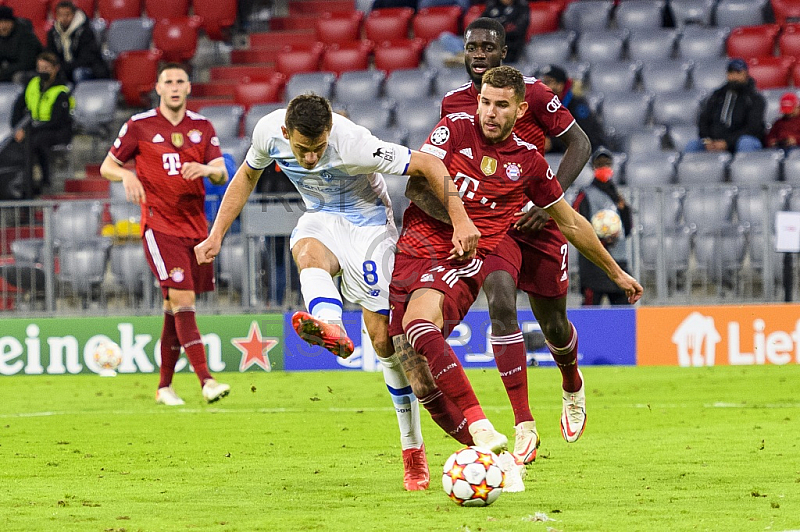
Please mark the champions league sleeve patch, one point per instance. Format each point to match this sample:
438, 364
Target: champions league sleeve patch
440, 135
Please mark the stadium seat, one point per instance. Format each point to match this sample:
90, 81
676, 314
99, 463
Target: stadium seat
646, 140
130, 269
346, 57
9, 92
659, 210
786, 11
430, 22
291, 60
702, 43
83, 264
709, 74
756, 168
543, 18
756, 207
419, 115
475, 11
389, 24
547, 48
587, 16
650, 168
720, 256
448, 79
789, 40
75, 221
217, 16
666, 76
680, 135
256, 113
392, 134
124, 211
176, 37
703, 167
678, 107
634, 15
752, 41
396, 55
359, 86
614, 76
226, 119
773, 98
651, 45
33, 10
127, 34
407, 84
237, 148
338, 28
396, 188
137, 71
692, 12
596, 46
111, 10
624, 112
371, 116
158, 9
96, 107
255, 92
676, 251
708, 209
771, 72
733, 13
320, 83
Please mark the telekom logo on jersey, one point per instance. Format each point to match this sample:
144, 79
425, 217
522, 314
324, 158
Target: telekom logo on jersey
172, 163
464, 183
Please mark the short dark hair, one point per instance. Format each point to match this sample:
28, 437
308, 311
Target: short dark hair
310, 115
171, 66
505, 76
488, 24
50, 57
66, 3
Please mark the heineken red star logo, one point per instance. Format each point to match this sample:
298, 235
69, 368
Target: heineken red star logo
255, 349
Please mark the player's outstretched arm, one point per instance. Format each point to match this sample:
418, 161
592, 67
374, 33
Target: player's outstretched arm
465, 234
419, 191
579, 232
113, 171
242, 185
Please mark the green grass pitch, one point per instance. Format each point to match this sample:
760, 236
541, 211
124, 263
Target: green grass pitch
665, 449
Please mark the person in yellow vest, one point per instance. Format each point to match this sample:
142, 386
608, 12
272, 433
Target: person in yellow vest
48, 102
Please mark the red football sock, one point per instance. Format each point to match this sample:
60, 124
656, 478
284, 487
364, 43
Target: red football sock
512, 363
447, 415
170, 350
567, 361
189, 336
427, 340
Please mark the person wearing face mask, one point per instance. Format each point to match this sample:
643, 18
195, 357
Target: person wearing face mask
48, 103
732, 118
602, 194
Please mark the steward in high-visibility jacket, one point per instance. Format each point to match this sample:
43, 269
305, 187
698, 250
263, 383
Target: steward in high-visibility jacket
47, 100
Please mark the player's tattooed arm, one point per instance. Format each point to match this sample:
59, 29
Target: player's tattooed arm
419, 191
415, 366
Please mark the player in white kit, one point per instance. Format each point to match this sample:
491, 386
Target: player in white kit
347, 230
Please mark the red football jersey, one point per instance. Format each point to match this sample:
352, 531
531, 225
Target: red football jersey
174, 205
493, 181
545, 114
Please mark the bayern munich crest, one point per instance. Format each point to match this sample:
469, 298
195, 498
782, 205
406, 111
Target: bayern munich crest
440, 135
513, 171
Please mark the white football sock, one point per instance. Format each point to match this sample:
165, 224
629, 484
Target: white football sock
320, 295
405, 402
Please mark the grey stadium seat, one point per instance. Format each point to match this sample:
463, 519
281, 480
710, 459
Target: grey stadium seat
396, 135
733, 13
128, 34
371, 116
9, 92
96, 104
624, 112
656, 168
359, 86
320, 83
647, 140
83, 264
596, 46
703, 167
614, 76
448, 79
231, 257
237, 148
709, 209
640, 14
702, 43
720, 255
666, 76
680, 135
756, 167
692, 12
129, 267
651, 45
417, 115
410, 83
654, 211
583, 16
551, 48
791, 168
124, 211
677, 107
677, 249
226, 119
256, 113
756, 207
76, 221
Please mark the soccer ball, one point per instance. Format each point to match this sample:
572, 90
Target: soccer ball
108, 357
606, 224
472, 477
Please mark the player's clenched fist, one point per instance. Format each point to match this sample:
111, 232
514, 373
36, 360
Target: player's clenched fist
206, 250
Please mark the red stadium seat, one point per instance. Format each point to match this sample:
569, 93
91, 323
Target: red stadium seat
33, 10
137, 71
339, 28
786, 11
472, 13
389, 24
752, 41
158, 9
87, 6
544, 17
256, 92
218, 16
297, 22
770, 72
246, 73
292, 60
176, 37
396, 55
111, 10
41, 30
430, 22
789, 41
279, 39
321, 6
340, 58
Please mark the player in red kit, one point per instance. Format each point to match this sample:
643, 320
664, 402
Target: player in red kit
174, 149
496, 172
535, 260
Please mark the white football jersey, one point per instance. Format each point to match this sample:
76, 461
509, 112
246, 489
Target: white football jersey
347, 180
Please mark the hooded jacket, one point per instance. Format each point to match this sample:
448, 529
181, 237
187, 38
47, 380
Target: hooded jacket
731, 112
18, 51
77, 46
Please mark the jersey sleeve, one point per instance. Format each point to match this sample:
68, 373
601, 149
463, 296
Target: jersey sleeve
547, 109
213, 149
543, 188
443, 139
364, 153
258, 156
126, 144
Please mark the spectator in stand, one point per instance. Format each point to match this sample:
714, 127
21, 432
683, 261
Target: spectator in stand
563, 86
785, 132
19, 47
73, 40
732, 118
515, 16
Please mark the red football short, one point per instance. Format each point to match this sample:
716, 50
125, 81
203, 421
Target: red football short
459, 281
172, 261
544, 273
505, 257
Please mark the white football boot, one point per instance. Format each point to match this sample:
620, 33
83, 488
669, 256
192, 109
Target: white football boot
167, 396
526, 442
485, 437
514, 472
214, 391
573, 414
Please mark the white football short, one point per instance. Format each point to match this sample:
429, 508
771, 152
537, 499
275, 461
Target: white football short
365, 254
